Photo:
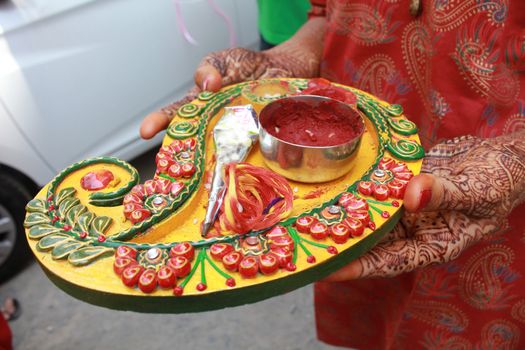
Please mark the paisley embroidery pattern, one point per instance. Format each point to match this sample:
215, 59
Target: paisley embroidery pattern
439, 340
439, 314
440, 107
476, 57
499, 335
516, 121
438, 281
379, 76
518, 311
449, 14
485, 277
417, 47
365, 24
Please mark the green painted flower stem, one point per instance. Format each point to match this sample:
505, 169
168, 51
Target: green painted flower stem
193, 269
212, 263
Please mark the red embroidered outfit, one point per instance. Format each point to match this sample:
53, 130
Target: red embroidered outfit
458, 68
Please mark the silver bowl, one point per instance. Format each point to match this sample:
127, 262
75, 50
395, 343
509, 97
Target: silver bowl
304, 163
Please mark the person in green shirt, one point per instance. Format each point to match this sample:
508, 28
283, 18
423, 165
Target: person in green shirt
280, 19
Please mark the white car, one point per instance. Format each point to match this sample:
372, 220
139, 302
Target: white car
78, 76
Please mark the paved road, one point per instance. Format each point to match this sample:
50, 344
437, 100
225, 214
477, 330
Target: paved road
52, 319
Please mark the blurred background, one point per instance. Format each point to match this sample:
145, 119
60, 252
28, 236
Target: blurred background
76, 79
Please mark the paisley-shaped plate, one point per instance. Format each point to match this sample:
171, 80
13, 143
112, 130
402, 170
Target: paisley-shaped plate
147, 254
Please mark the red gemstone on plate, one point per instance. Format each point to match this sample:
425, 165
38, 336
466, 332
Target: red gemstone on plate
230, 282
356, 227
148, 281
232, 260
219, 250
188, 169
365, 187
284, 256
397, 188
66, 228
178, 291
101, 238
405, 176
131, 275
361, 215
346, 198
385, 214
164, 164
175, 170
310, 259
400, 168
381, 192
248, 267
162, 186
268, 263
176, 188
180, 266
332, 250
357, 204
386, 163
139, 215
132, 198
96, 180
184, 249
340, 232
372, 225
130, 208
138, 190
166, 277
83, 235
395, 204
125, 251
291, 267
277, 231
120, 264
150, 187
201, 287
282, 242
189, 144
319, 230
176, 146
304, 223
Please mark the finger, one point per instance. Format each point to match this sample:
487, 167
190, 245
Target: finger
208, 78
153, 123
426, 192
392, 258
157, 121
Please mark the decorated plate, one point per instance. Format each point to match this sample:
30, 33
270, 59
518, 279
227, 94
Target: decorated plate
106, 239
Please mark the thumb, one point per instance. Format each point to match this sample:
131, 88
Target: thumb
426, 192
208, 78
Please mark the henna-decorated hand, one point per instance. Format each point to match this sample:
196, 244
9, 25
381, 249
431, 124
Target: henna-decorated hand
469, 187
298, 57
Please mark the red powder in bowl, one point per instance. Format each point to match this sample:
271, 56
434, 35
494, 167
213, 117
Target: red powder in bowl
327, 124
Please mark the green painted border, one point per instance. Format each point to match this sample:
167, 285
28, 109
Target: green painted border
225, 298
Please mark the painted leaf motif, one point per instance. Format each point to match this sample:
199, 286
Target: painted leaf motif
62, 250
36, 205
50, 241
66, 205
65, 193
36, 219
87, 255
74, 213
39, 231
84, 221
100, 224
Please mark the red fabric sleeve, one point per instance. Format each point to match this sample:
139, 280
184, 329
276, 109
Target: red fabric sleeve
318, 8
